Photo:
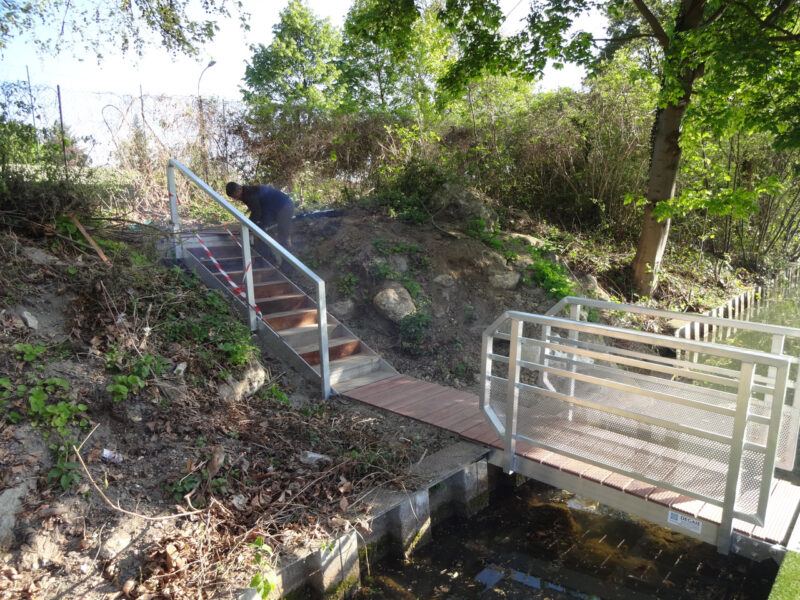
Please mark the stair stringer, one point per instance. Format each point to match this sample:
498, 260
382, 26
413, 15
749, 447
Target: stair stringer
271, 341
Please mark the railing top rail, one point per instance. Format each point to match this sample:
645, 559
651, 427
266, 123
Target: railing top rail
257, 231
674, 315
733, 353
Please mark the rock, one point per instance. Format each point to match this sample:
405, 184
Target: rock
394, 303
42, 549
445, 280
312, 458
237, 390
525, 240
29, 320
398, 264
38, 256
180, 369
114, 545
460, 204
505, 281
592, 288
10, 504
343, 308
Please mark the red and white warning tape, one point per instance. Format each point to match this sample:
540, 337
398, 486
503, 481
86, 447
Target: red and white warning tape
236, 289
235, 239
180, 206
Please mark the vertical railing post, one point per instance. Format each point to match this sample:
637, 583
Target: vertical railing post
512, 395
324, 361
487, 349
735, 459
173, 212
248, 268
575, 315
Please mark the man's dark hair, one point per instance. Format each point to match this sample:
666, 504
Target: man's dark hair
231, 187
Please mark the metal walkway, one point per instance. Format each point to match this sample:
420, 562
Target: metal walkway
459, 412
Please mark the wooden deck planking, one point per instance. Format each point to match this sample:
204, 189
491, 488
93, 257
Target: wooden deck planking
459, 412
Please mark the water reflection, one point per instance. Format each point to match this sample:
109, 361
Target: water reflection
537, 542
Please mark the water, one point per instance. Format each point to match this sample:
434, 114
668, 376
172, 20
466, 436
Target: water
536, 542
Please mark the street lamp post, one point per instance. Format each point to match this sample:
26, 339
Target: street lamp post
203, 148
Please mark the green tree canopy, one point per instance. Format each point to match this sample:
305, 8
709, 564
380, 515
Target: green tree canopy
297, 73
58, 25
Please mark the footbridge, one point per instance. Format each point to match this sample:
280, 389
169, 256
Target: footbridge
695, 436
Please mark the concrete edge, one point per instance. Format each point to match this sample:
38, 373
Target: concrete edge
453, 481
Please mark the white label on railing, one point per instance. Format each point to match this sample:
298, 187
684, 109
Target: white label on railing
684, 521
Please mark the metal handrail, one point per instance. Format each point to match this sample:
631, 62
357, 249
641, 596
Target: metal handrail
247, 227
779, 334
741, 381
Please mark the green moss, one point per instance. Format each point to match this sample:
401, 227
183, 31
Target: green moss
343, 589
787, 583
300, 593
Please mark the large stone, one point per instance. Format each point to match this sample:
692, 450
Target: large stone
445, 280
394, 303
460, 204
235, 390
398, 264
10, 504
592, 288
507, 280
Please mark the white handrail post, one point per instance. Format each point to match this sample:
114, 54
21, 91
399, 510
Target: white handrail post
512, 395
575, 315
324, 360
735, 459
248, 278
173, 211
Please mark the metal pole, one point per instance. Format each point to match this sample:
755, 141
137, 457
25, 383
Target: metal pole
33, 109
735, 459
249, 290
63, 141
141, 102
512, 396
173, 211
324, 360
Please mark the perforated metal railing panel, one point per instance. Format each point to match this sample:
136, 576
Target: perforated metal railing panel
620, 405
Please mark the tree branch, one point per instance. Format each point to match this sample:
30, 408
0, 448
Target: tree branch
770, 22
658, 30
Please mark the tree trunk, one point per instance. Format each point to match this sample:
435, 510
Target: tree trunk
664, 162
665, 157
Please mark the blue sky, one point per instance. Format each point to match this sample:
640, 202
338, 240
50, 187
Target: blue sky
159, 73
87, 86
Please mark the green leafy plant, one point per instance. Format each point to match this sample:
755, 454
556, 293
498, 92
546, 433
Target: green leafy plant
348, 284
262, 580
412, 330
553, 278
29, 352
65, 472
124, 385
56, 415
183, 486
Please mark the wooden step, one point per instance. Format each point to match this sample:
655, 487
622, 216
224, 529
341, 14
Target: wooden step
283, 303
219, 251
260, 276
349, 367
304, 335
292, 318
337, 348
265, 291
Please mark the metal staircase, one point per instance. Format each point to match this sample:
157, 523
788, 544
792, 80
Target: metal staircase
287, 320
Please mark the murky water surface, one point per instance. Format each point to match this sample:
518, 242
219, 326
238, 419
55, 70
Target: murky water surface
537, 542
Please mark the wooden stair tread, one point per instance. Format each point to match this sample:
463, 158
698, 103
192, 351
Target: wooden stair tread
331, 342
